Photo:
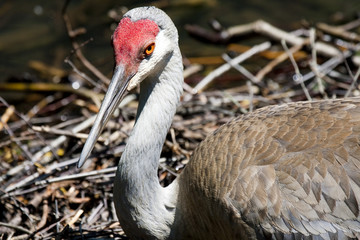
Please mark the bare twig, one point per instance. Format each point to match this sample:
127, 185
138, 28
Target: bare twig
62, 132
75, 217
18, 143
327, 66
44, 150
298, 75
260, 27
251, 96
354, 79
78, 51
341, 31
78, 176
241, 69
267, 29
61, 139
225, 67
26, 181
313, 62
16, 227
46, 87
24, 118
84, 76
192, 69
271, 65
7, 114
95, 213
44, 216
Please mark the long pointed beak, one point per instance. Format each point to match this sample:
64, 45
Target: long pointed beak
116, 92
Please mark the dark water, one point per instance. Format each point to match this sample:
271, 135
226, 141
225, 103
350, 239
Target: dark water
34, 30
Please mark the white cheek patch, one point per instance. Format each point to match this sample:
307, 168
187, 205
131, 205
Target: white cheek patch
163, 47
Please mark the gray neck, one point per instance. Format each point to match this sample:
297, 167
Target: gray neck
144, 208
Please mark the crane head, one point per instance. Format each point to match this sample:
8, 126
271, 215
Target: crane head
143, 42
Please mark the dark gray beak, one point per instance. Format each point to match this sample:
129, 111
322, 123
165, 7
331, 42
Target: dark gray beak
116, 92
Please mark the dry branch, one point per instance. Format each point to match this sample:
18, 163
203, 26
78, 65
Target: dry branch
256, 49
77, 48
263, 28
339, 31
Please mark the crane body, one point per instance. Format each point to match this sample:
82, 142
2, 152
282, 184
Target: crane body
281, 172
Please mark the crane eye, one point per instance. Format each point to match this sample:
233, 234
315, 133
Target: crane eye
149, 49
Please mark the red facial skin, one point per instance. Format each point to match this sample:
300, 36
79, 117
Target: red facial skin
130, 40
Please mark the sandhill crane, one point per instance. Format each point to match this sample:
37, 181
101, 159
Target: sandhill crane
289, 171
